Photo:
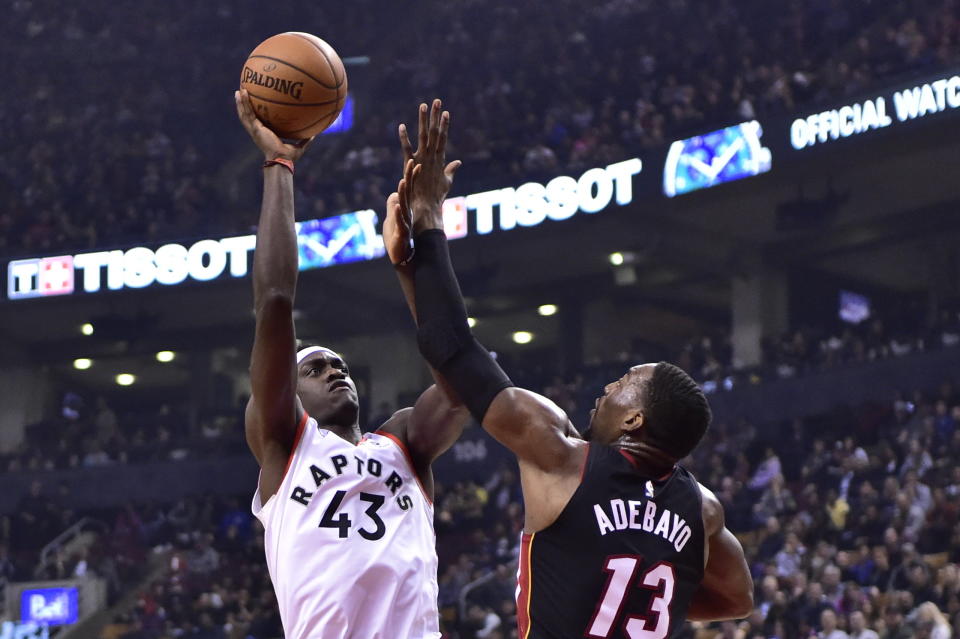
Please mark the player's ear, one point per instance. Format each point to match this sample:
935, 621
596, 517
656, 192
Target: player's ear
634, 422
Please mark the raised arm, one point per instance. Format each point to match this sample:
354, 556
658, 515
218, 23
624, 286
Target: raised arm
726, 591
533, 427
438, 417
273, 411
396, 238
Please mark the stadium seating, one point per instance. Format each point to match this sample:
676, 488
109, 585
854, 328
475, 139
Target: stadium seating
90, 434
866, 522
115, 152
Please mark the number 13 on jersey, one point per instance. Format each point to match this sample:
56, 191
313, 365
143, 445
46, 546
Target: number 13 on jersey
621, 575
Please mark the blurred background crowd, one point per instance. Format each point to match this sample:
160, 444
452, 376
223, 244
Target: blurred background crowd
850, 521
87, 432
120, 162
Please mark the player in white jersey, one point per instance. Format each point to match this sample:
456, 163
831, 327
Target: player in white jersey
348, 520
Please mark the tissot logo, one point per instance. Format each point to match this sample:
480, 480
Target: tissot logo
345, 238
562, 197
40, 277
335, 240
281, 85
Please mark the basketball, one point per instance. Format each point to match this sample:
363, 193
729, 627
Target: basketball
297, 84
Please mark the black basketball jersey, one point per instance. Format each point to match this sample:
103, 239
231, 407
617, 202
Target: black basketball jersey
622, 560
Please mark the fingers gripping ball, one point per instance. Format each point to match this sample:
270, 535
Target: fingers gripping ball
297, 84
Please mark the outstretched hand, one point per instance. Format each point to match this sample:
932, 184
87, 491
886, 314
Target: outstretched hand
398, 223
430, 181
267, 141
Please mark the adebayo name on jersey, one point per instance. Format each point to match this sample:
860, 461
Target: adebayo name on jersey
639, 515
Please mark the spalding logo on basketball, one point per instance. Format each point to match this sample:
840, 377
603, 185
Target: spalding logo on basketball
281, 85
297, 84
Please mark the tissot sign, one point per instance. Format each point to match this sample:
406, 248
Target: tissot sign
338, 240
700, 162
559, 199
350, 237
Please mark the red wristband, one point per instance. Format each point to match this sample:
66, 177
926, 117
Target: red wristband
281, 161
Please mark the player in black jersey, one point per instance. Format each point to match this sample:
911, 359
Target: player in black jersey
619, 539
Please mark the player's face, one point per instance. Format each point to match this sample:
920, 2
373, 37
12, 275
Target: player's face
326, 389
620, 402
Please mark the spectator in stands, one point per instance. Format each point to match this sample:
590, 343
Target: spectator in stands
789, 558
930, 622
767, 471
204, 558
776, 500
858, 627
918, 459
828, 625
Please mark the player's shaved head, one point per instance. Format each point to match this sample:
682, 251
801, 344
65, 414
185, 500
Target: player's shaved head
658, 405
676, 411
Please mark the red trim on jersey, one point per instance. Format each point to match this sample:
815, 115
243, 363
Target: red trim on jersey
406, 453
630, 458
583, 467
296, 442
524, 582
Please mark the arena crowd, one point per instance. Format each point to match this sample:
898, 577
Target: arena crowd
87, 432
142, 146
850, 521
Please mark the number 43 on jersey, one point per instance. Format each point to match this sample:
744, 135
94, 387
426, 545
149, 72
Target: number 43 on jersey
342, 522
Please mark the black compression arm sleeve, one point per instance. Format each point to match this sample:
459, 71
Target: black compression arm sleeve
443, 335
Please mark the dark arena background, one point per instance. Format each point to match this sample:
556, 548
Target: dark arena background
764, 193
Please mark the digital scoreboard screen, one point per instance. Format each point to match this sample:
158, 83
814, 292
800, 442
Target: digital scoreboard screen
713, 158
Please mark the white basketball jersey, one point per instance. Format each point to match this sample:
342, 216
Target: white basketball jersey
349, 541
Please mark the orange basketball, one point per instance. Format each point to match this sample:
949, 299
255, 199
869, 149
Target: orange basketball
297, 84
